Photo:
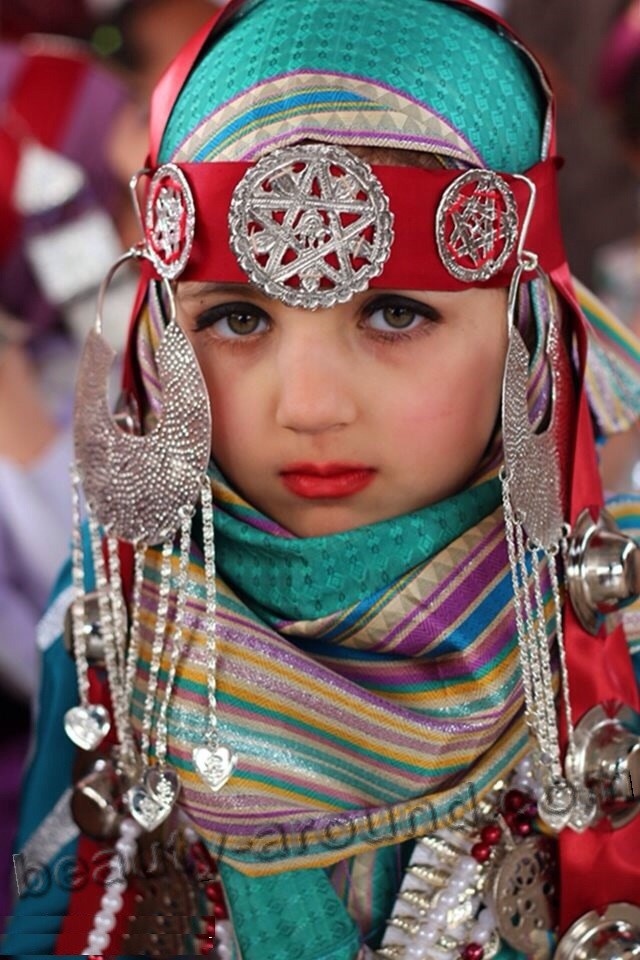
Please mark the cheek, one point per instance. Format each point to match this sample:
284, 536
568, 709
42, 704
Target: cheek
450, 410
236, 407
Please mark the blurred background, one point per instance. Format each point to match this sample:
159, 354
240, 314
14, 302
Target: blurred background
75, 78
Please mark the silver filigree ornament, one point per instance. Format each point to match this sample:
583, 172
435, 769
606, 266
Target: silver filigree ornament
169, 221
533, 498
134, 484
476, 225
141, 488
310, 225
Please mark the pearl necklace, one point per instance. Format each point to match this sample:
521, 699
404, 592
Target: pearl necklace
441, 911
111, 903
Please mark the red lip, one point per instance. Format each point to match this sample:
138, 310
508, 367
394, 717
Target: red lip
317, 481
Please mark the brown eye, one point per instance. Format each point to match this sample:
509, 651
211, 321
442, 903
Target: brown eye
398, 317
243, 323
233, 320
391, 313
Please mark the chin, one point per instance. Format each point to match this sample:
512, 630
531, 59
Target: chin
320, 521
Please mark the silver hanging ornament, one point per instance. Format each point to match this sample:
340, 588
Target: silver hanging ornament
310, 225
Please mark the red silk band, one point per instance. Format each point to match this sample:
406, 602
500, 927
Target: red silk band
414, 194
597, 867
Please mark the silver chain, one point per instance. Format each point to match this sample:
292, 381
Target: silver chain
120, 707
156, 648
181, 603
210, 617
134, 633
77, 608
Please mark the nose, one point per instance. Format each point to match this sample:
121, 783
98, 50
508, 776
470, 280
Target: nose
316, 388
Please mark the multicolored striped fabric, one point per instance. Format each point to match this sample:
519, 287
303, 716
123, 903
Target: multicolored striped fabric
374, 720
613, 365
317, 105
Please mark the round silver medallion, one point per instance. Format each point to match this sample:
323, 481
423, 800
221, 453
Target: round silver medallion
521, 893
611, 935
310, 225
476, 225
169, 221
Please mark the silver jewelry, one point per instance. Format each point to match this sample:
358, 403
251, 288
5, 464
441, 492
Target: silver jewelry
87, 724
152, 799
136, 484
310, 225
214, 762
533, 500
169, 220
476, 225
464, 890
601, 935
142, 489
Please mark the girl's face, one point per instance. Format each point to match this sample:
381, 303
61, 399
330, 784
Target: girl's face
330, 419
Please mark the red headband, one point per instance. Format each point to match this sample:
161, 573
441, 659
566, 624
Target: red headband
414, 197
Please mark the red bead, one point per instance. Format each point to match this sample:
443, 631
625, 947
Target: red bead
206, 946
491, 834
210, 928
514, 801
473, 951
480, 852
213, 892
522, 825
219, 911
201, 855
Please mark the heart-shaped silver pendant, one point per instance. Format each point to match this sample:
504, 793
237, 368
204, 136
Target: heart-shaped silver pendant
162, 784
152, 800
87, 726
556, 804
215, 766
144, 809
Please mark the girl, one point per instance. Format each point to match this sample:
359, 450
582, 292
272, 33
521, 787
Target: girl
343, 563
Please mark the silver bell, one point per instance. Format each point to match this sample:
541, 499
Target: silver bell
96, 801
612, 935
607, 760
602, 569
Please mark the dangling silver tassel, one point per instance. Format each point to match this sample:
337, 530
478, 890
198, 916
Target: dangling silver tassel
162, 780
87, 724
128, 759
107, 629
151, 799
535, 532
214, 762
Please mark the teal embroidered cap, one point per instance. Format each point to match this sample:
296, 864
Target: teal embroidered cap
426, 75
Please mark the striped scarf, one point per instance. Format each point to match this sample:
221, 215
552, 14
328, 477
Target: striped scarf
388, 696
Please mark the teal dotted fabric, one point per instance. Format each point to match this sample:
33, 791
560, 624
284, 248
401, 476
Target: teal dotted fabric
456, 64
289, 916
304, 578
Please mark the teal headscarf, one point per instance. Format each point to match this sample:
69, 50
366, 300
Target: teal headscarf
431, 76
